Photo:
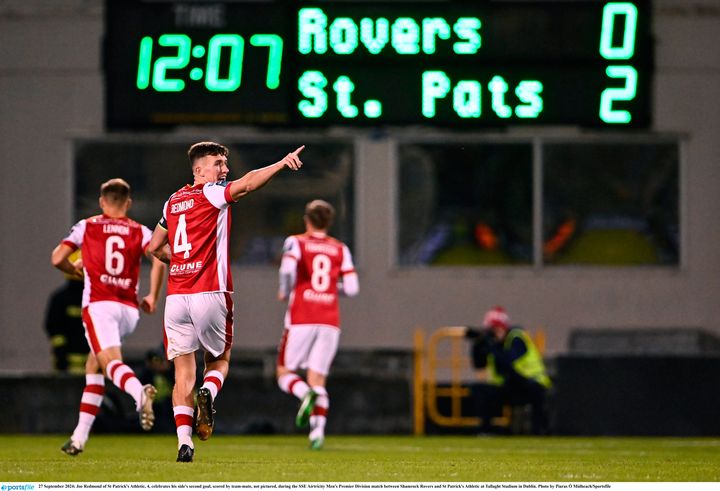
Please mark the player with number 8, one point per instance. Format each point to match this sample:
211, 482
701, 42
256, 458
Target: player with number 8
315, 269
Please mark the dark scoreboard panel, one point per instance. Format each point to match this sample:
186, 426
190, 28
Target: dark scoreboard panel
319, 63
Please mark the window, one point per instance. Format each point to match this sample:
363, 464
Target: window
261, 221
599, 201
611, 204
465, 204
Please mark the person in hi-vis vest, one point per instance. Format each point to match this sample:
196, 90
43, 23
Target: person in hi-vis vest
516, 374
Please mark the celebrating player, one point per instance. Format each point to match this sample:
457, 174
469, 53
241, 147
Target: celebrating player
193, 237
112, 246
312, 265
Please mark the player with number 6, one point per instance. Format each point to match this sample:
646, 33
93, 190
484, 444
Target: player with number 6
112, 246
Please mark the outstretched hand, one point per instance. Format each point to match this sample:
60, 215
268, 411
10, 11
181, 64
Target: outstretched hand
292, 159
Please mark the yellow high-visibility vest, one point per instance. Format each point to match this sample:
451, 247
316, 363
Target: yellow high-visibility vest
530, 365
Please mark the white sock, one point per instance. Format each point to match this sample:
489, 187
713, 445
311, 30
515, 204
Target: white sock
213, 381
89, 406
292, 383
318, 419
183, 425
124, 377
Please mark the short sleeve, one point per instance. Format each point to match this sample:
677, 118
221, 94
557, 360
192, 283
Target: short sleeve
146, 236
216, 193
347, 263
163, 218
74, 239
291, 248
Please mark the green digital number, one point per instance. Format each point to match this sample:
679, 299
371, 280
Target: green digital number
275, 43
627, 93
236, 45
627, 49
144, 59
160, 81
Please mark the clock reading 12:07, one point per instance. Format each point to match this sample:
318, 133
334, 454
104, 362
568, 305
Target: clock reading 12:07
435, 63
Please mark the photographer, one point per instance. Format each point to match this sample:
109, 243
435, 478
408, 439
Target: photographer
516, 372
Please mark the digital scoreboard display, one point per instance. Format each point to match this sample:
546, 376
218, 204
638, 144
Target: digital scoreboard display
460, 64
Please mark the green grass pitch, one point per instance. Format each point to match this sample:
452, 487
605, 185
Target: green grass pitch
224, 458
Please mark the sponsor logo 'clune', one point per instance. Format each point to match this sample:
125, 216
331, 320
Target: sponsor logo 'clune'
115, 281
188, 268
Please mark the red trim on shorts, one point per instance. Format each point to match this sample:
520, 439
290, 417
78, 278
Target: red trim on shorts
165, 340
228, 322
90, 329
319, 411
214, 380
183, 420
94, 389
281, 348
89, 408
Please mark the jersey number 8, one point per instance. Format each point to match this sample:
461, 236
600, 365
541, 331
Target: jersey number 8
320, 279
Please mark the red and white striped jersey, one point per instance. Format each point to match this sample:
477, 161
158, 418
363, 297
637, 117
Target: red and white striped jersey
321, 261
111, 252
198, 219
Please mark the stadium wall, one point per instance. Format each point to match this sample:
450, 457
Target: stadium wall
51, 90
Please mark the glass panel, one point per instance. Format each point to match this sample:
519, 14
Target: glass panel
611, 203
261, 220
465, 204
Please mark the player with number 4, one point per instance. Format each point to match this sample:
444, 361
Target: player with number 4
193, 238
315, 269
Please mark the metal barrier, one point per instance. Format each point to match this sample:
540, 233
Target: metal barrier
428, 360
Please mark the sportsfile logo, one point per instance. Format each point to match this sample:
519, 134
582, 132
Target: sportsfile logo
17, 487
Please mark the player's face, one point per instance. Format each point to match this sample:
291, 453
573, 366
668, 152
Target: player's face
212, 168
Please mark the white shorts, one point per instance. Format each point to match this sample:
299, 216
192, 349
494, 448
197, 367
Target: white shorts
107, 323
308, 346
198, 320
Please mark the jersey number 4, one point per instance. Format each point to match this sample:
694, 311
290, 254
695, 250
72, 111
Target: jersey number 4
181, 243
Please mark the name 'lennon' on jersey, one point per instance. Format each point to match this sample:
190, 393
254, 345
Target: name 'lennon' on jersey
198, 219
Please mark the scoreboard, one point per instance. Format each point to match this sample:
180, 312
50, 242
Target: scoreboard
446, 63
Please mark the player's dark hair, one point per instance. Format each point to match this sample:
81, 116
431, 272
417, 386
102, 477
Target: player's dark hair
320, 213
115, 191
201, 149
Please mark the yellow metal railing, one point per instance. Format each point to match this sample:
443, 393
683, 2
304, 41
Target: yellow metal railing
429, 359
